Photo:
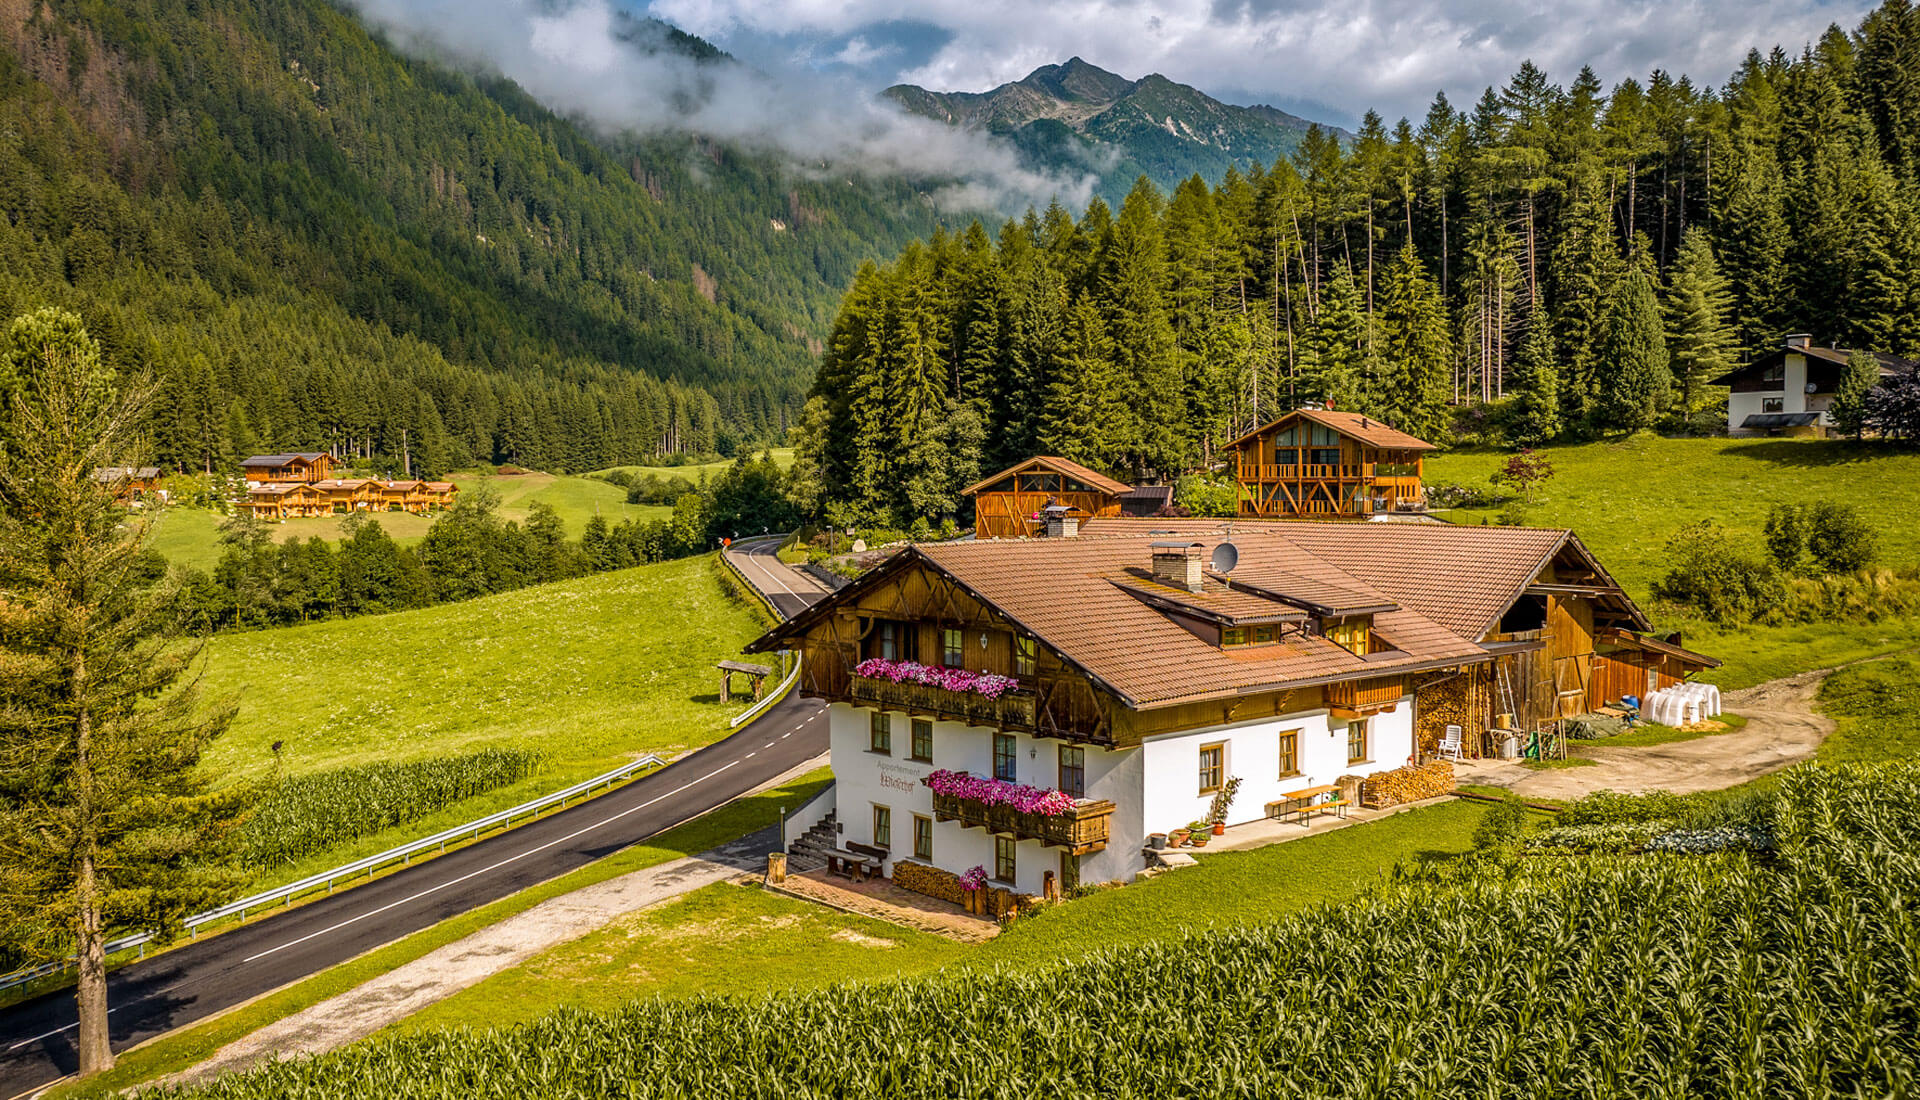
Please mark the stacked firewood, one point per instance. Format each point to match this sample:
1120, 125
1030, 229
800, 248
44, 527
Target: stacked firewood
1441, 703
1408, 784
931, 881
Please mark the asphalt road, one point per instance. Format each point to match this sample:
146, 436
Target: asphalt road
788, 589
200, 978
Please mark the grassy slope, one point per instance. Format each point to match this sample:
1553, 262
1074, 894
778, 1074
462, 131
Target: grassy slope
1626, 499
782, 457
591, 672
728, 940
191, 536
1876, 708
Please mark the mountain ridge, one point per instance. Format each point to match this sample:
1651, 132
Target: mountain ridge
1078, 115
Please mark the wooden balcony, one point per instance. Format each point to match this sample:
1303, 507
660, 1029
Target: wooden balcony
1062, 707
1359, 698
1012, 710
1307, 472
1080, 832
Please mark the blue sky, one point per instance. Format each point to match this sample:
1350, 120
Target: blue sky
1327, 59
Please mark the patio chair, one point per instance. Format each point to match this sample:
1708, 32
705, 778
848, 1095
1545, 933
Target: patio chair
1450, 745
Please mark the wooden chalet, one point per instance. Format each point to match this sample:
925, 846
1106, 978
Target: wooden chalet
1331, 652
1012, 503
1323, 463
287, 500
354, 494
129, 483
302, 467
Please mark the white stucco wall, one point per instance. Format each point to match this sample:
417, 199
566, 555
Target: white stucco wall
1793, 398
1171, 764
864, 779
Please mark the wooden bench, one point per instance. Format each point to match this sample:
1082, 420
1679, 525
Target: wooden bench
1301, 805
856, 861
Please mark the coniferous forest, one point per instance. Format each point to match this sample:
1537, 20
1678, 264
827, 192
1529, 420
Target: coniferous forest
1551, 262
317, 243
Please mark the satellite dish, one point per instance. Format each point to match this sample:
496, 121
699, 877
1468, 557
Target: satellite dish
1225, 557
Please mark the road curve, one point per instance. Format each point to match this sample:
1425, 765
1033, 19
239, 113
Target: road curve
789, 590
197, 979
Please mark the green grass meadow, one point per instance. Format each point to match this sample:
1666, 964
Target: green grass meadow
782, 457
590, 672
1626, 499
734, 940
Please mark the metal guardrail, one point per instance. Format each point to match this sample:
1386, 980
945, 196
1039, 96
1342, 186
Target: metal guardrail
402, 854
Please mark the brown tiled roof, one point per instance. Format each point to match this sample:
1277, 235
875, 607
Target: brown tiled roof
1218, 600
1059, 466
1367, 429
1440, 589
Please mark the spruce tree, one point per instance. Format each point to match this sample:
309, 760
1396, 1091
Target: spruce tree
107, 822
1849, 408
1632, 379
1081, 419
1535, 415
1415, 349
1700, 338
1335, 345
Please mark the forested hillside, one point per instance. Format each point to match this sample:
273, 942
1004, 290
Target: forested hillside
315, 242
1553, 262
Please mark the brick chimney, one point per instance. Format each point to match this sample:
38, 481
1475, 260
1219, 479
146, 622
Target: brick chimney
1178, 564
1061, 523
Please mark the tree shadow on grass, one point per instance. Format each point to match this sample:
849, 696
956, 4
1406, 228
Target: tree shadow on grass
1817, 453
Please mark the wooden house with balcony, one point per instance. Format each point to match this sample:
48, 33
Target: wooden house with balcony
305, 467
1320, 463
287, 500
130, 483
1012, 504
1119, 673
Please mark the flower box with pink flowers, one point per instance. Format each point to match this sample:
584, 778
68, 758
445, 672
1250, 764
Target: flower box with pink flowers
1025, 812
977, 698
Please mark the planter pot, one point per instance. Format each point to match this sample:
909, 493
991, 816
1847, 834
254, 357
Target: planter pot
1199, 840
1156, 841
1219, 828
1176, 838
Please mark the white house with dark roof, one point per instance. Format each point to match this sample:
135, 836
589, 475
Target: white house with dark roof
1790, 390
1145, 678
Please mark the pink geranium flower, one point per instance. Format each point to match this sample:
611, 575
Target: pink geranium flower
985, 684
1044, 801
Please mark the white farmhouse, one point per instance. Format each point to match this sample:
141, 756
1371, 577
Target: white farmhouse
1144, 680
1790, 390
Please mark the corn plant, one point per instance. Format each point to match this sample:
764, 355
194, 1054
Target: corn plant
1732, 974
305, 814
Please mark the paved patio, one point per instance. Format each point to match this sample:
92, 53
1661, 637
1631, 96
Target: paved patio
1259, 834
882, 900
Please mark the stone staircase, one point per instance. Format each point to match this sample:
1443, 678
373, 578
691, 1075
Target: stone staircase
808, 851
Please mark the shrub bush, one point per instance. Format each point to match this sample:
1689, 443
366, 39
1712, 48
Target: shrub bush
1614, 808
1505, 824
1717, 577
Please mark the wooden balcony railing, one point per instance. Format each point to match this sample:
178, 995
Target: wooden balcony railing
1080, 832
1016, 708
1307, 472
1046, 706
1359, 697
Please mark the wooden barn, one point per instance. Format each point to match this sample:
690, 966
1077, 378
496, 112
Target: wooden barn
301, 467
1323, 463
1011, 503
129, 483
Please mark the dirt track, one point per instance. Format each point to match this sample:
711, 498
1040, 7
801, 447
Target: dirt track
1782, 729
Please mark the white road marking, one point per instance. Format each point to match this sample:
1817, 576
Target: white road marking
753, 754
484, 870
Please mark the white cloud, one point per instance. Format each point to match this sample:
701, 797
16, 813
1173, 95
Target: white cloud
573, 57
1388, 54
858, 51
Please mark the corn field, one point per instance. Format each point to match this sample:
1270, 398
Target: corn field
305, 814
1793, 973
